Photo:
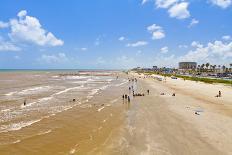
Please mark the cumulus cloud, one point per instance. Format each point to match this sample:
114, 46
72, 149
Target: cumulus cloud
179, 10
222, 3
176, 8
193, 22
52, 59
3, 24
157, 31
29, 29
121, 38
165, 3
226, 37
137, 44
164, 50
8, 46
22, 13
183, 46
215, 52
144, 1
196, 44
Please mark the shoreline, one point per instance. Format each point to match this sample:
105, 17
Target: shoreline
153, 124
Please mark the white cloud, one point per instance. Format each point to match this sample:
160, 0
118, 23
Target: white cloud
3, 25
227, 37
8, 46
179, 10
193, 22
121, 38
144, 1
222, 3
137, 44
196, 44
215, 52
164, 50
154, 27
22, 13
183, 46
53, 59
165, 3
29, 29
158, 35
84, 48
157, 31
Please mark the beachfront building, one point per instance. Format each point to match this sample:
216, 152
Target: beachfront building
187, 65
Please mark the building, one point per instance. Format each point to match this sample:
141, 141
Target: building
187, 65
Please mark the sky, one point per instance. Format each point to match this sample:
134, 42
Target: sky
114, 34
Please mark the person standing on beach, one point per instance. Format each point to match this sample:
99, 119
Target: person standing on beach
128, 99
148, 91
219, 94
25, 102
123, 96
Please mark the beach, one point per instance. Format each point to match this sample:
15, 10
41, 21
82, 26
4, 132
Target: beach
99, 121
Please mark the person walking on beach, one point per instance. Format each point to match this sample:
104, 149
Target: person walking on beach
128, 99
123, 96
25, 102
148, 91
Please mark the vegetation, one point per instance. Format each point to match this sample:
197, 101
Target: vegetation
200, 79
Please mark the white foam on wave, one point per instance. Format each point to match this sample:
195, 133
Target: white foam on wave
6, 110
113, 101
29, 91
76, 77
11, 93
100, 109
117, 85
44, 132
17, 126
68, 89
39, 101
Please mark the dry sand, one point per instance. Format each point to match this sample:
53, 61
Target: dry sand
162, 124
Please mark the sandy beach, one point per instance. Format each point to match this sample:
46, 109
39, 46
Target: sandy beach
150, 124
163, 124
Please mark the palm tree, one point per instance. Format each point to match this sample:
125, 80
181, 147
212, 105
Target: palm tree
202, 67
223, 68
214, 67
230, 67
207, 65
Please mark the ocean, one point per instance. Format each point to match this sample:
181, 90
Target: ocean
29, 97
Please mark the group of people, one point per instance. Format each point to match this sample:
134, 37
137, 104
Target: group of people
132, 79
126, 97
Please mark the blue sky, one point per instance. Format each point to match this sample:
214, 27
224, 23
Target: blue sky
110, 34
